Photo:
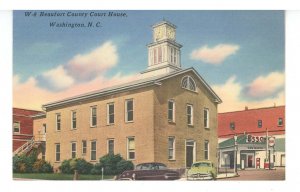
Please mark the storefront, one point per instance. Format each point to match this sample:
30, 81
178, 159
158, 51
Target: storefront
247, 151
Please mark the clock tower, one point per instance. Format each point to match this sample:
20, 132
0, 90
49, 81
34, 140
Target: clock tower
164, 51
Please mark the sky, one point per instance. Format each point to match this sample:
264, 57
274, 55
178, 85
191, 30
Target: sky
240, 54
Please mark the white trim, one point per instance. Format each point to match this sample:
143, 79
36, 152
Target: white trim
19, 132
91, 116
126, 113
173, 111
93, 150
174, 148
192, 114
107, 143
127, 148
194, 150
206, 141
108, 114
73, 142
73, 111
56, 152
56, 121
207, 118
188, 83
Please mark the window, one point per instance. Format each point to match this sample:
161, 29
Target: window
57, 152
129, 110
206, 118
16, 127
84, 146
130, 148
189, 113
110, 113
206, 150
159, 55
58, 121
74, 119
280, 121
188, 83
73, 150
171, 110
93, 150
259, 123
172, 55
171, 147
93, 116
110, 146
155, 56
232, 125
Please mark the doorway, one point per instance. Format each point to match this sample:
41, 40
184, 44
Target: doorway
190, 153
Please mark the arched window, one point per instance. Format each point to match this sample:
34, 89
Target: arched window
188, 83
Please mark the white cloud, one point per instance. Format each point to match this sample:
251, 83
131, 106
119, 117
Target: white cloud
56, 79
264, 86
231, 94
214, 55
88, 66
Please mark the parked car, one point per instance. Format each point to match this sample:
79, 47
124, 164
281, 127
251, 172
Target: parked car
202, 170
149, 171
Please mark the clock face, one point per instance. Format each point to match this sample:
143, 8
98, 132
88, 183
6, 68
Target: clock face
171, 33
158, 33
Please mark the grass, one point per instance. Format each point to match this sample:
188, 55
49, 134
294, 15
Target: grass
59, 176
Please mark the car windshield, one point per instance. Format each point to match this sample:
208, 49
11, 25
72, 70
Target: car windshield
201, 164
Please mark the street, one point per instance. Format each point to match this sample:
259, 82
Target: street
258, 174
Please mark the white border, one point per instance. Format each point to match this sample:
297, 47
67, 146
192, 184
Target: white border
292, 93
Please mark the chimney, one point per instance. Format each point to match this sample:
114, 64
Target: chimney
246, 108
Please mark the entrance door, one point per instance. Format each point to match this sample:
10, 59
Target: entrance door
189, 153
250, 160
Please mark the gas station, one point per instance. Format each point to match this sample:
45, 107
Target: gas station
247, 152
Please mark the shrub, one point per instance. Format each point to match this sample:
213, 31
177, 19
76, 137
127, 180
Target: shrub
65, 166
81, 165
112, 164
41, 166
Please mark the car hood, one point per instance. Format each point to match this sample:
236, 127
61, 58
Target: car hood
196, 170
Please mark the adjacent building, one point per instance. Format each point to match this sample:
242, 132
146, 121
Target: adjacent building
22, 128
168, 115
243, 134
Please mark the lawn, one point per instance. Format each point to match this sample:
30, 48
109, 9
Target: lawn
59, 176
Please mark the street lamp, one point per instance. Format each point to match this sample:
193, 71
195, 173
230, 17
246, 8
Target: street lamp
235, 154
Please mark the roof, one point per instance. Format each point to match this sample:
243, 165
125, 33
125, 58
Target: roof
246, 121
24, 112
140, 83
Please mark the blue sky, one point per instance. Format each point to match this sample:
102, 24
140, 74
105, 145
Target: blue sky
255, 40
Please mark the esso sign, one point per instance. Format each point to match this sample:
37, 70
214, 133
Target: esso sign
255, 139
271, 141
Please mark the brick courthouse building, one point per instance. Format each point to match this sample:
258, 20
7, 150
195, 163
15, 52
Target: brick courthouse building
168, 115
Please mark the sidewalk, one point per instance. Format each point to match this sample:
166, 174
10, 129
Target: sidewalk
226, 175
